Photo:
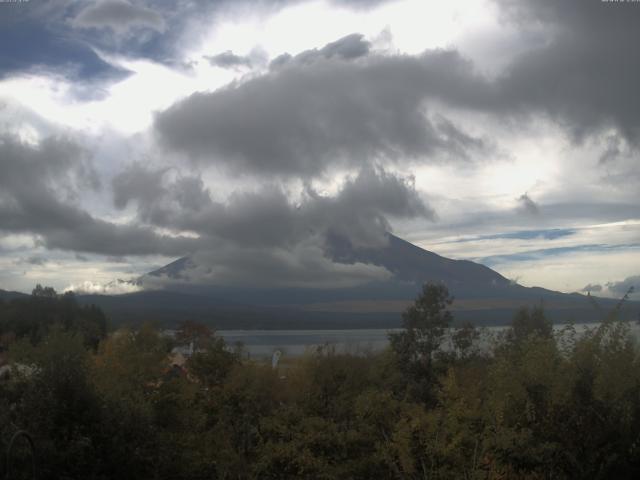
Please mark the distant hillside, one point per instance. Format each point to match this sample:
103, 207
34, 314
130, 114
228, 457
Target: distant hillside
407, 262
411, 263
7, 295
481, 295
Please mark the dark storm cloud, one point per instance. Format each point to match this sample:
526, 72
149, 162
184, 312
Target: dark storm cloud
305, 117
118, 15
622, 287
87, 234
40, 188
348, 48
189, 19
359, 211
28, 42
229, 60
527, 205
612, 150
159, 201
587, 74
303, 265
137, 182
312, 111
592, 287
36, 260
268, 217
55, 160
263, 236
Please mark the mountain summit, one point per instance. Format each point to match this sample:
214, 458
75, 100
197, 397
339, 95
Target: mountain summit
406, 262
410, 263
481, 295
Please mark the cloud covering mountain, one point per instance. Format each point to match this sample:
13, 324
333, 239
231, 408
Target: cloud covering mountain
249, 133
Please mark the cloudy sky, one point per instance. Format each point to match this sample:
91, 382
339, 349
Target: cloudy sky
244, 132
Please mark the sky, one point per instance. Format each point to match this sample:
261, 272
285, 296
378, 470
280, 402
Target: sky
245, 133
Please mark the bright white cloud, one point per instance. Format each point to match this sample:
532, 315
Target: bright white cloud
595, 254
572, 271
413, 26
118, 15
480, 197
110, 288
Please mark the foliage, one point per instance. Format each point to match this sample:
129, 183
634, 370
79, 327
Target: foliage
440, 403
34, 317
212, 363
530, 321
417, 345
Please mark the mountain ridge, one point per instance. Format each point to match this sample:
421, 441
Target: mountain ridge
481, 294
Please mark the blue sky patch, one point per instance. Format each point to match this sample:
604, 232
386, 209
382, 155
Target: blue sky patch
545, 234
27, 45
551, 252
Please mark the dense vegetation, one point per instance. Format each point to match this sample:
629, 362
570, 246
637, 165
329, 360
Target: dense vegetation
439, 403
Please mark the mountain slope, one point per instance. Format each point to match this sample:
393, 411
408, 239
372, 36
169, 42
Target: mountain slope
6, 295
410, 265
481, 295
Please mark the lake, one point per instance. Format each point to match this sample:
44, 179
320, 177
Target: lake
294, 343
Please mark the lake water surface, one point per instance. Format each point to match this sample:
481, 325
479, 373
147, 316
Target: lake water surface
293, 343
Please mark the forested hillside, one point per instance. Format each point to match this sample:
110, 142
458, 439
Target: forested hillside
527, 404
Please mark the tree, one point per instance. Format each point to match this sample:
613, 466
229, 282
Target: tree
44, 292
33, 317
463, 340
425, 323
193, 332
212, 364
57, 404
528, 322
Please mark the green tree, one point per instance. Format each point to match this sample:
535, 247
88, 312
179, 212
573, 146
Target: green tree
58, 405
44, 292
463, 340
425, 324
34, 316
212, 363
126, 371
530, 321
198, 334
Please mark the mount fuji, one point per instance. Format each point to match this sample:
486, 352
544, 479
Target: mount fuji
481, 295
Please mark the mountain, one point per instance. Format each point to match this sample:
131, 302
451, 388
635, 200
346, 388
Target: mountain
406, 261
481, 294
410, 265
6, 295
414, 264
